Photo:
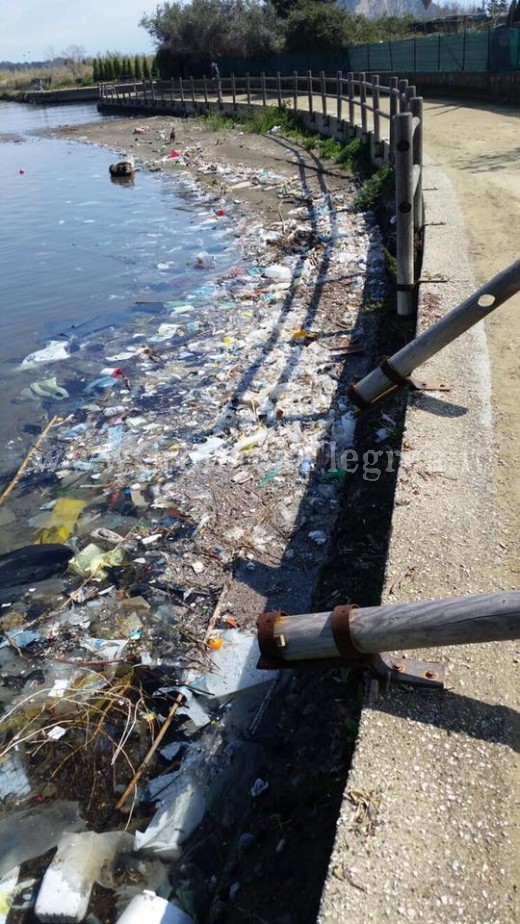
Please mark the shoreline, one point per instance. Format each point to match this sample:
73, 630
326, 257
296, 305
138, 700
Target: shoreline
208, 511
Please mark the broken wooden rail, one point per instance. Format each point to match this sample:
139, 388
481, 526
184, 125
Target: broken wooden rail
351, 634
394, 372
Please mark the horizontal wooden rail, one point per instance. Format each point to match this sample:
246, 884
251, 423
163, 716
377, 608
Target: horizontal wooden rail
349, 633
474, 309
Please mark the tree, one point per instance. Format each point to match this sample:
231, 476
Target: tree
496, 9
189, 34
313, 26
285, 7
137, 67
74, 58
146, 68
109, 70
116, 64
95, 71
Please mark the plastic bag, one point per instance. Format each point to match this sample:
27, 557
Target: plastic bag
32, 832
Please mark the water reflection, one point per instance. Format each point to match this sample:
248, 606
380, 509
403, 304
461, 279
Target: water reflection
123, 180
77, 258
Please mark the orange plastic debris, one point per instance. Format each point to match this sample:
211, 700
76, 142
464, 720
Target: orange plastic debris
215, 643
231, 621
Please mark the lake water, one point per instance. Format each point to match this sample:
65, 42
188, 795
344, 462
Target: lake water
80, 254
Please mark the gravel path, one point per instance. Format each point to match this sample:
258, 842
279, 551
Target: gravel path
478, 147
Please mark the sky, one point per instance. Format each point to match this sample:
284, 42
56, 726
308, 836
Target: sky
34, 30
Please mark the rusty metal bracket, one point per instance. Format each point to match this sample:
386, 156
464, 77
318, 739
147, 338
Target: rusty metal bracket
416, 385
402, 381
429, 674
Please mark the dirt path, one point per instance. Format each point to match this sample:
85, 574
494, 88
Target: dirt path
478, 147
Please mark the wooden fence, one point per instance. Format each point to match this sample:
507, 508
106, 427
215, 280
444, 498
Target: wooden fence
386, 112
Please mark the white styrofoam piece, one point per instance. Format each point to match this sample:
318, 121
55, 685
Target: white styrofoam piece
67, 885
234, 668
148, 908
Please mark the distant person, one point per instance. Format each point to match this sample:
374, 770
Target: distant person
215, 70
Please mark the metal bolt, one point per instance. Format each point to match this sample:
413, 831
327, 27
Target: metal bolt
431, 675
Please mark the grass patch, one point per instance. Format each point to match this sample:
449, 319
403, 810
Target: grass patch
378, 186
353, 156
57, 77
219, 123
261, 122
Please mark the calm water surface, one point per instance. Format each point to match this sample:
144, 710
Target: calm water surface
80, 253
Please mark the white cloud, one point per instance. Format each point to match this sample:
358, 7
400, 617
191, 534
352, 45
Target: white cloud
31, 27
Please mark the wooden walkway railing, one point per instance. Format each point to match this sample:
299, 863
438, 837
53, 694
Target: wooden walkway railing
385, 112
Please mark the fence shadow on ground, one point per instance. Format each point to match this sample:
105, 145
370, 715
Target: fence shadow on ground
456, 713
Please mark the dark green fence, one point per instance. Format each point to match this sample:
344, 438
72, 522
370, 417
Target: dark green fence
490, 51
286, 64
494, 50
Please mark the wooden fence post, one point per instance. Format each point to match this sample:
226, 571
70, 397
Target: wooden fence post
339, 98
192, 88
219, 92
403, 99
181, 93
152, 90
363, 101
351, 106
311, 99
478, 306
206, 101
394, 109
377, 117
279, 88
248, 88
323, 84
416, 108
295, 90
264, 89
404, 214
233, 91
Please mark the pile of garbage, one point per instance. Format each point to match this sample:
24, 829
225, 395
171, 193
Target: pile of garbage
127, 670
